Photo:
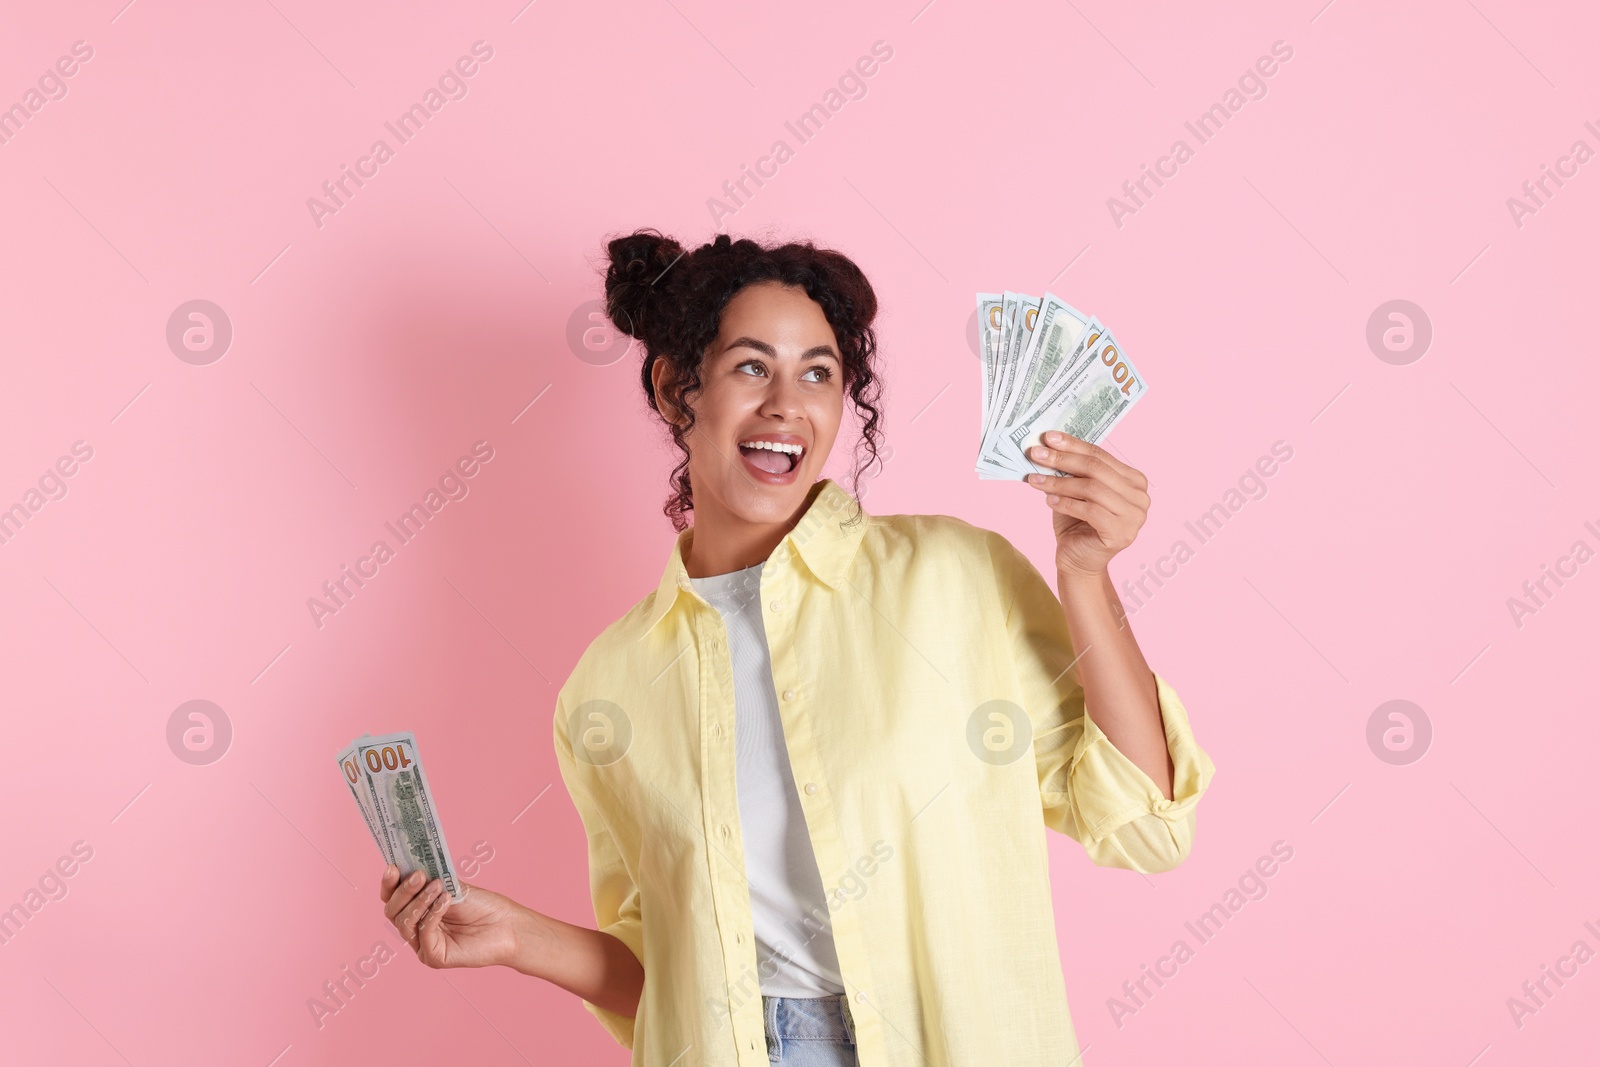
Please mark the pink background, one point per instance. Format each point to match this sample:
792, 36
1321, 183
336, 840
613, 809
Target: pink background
433, 309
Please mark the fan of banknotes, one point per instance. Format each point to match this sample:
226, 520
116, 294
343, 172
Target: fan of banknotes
385, 776
1046, 366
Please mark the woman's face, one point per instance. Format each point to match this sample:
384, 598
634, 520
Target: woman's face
771, 398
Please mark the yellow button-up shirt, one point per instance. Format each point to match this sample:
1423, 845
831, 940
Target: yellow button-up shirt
934, 732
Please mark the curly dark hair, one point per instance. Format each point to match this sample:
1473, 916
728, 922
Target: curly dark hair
672, 300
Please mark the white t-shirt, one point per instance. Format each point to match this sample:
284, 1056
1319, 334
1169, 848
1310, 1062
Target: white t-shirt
794, 937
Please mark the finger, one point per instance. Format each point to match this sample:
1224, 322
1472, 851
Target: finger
413, 914
1060, 439
434, 917
391, 879
1067, 458
1127, 517
404, 894
1105, 522
1086, 467
1119, 516
1091, 490
411, 918
1077, 456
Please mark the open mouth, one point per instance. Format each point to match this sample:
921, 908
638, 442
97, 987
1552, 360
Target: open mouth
772, 461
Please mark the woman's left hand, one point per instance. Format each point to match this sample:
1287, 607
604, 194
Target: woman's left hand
1098, 512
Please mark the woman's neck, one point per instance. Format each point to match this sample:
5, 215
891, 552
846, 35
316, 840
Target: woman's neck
722, 543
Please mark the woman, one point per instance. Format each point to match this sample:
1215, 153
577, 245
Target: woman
816, 763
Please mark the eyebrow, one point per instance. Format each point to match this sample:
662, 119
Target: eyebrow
768, 350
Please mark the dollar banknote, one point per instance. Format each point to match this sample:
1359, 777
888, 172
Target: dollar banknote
1054, 337
1046, 366
351, 769
1071, 366
1099, 390
1018, 312
390, 787
989, 308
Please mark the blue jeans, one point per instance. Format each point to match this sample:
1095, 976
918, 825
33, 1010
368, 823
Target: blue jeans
810, 1031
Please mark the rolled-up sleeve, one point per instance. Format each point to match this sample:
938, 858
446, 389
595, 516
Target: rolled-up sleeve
1088, 788
612, 889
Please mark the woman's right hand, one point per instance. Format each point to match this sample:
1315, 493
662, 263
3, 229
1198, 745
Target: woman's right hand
479, 931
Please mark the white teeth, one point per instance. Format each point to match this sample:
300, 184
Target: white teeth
774, 446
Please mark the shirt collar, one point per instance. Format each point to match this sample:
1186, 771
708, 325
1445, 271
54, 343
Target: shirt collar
821, 539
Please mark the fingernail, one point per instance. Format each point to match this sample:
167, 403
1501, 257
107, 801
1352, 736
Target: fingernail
1036, 479
1037, 451
1055, 437
1051, 499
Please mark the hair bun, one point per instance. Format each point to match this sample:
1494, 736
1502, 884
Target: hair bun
634, 279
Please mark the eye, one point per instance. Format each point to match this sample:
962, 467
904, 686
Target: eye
827, 375
756, 363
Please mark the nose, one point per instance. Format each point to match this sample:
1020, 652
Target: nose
781, 399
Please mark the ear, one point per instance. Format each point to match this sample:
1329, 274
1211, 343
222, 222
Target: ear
665, 383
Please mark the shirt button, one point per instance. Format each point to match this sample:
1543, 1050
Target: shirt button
788, 694
716, 730
811, 787
838, 894
777, 606
724, 831
861, 996
683, 581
